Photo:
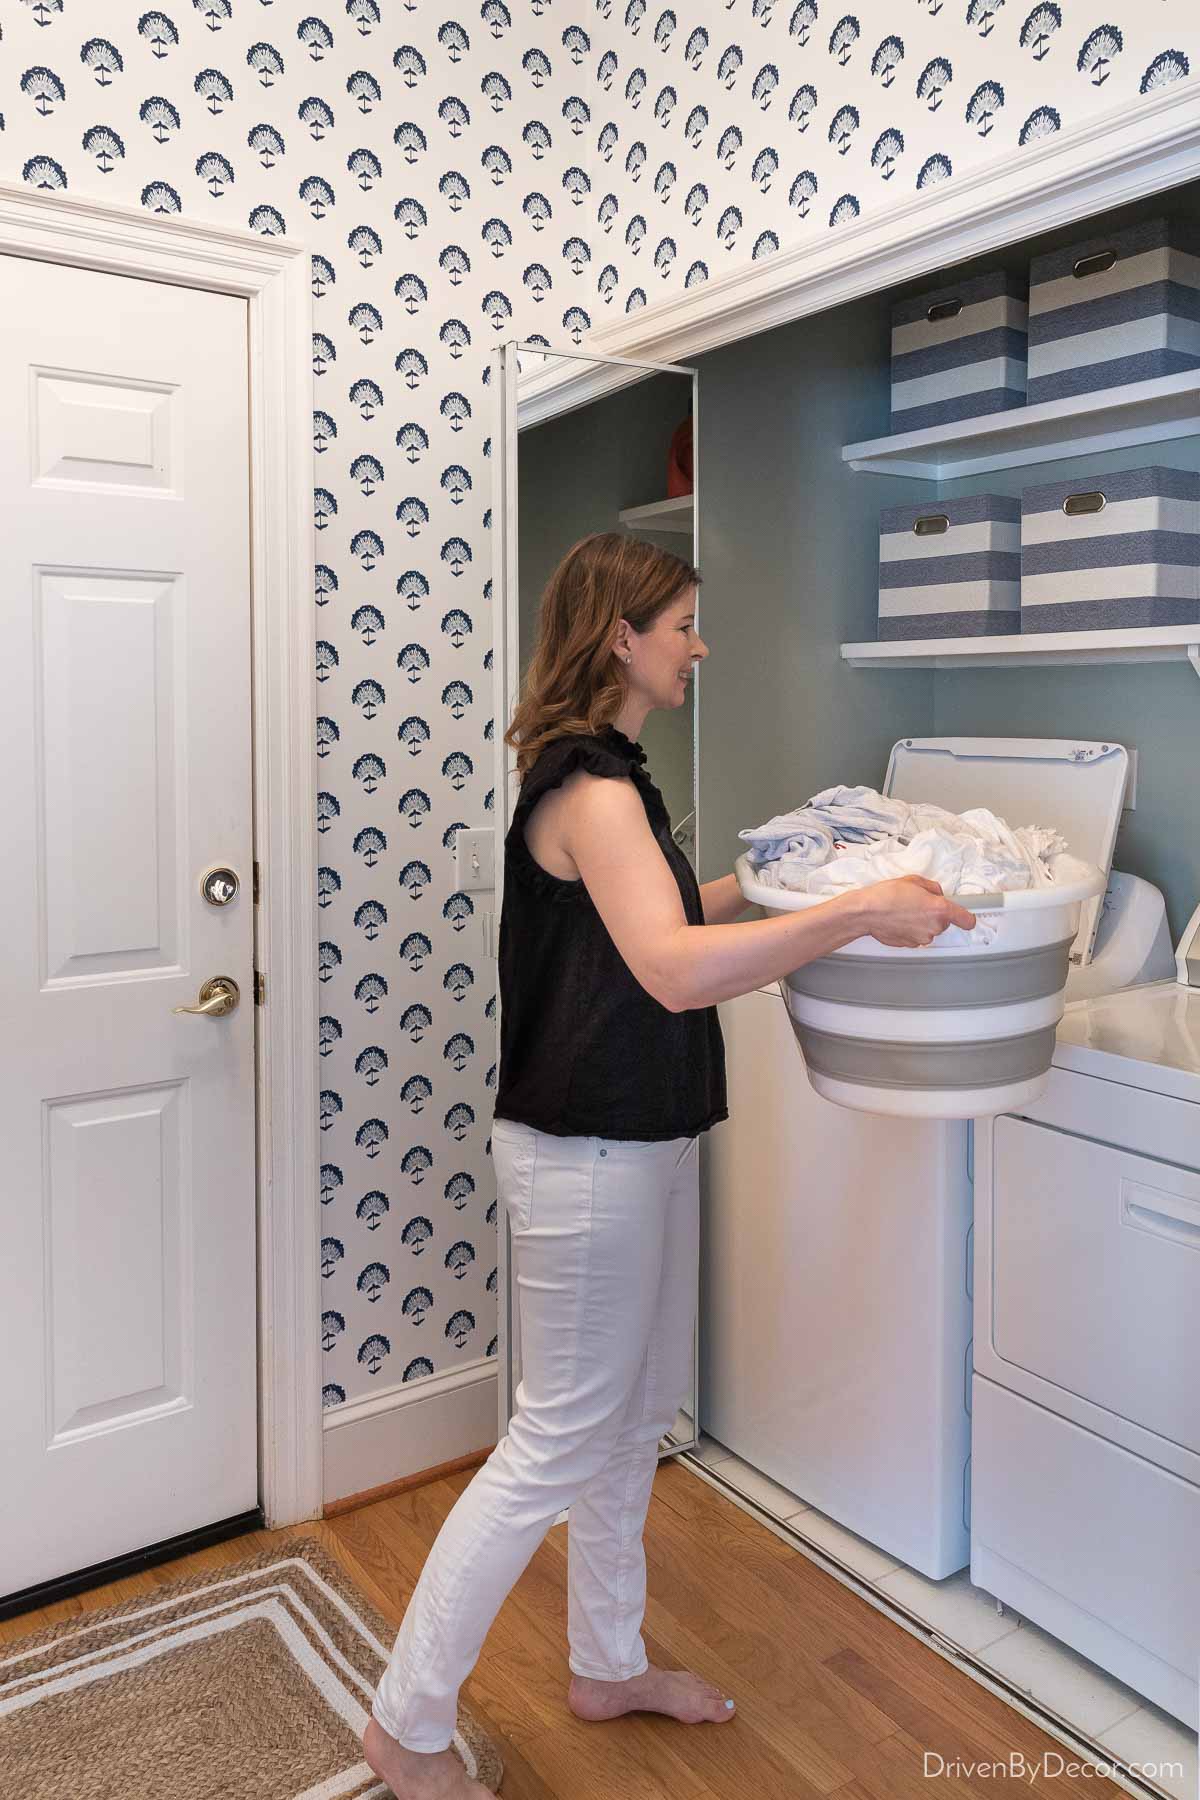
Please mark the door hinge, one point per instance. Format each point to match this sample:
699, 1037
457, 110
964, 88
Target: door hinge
260, 988
256, 882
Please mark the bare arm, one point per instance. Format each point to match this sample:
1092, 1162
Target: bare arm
630, 882
723, 900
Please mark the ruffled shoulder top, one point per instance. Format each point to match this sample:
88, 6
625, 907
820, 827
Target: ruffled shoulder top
584, 1048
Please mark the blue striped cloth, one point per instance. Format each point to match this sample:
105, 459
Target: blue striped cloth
1138, 320
963, 366
1135, 562
962, 582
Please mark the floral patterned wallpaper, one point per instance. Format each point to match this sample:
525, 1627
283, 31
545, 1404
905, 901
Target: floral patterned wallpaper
722, 132
425, 161
464, 174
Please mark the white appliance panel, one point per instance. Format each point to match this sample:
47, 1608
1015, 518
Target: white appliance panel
1090, 1542
834, 1298
1095, 1276
1146, 1039
1078, 1110
1076, 787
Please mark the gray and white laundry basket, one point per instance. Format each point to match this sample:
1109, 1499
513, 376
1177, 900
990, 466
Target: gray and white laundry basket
962, 1030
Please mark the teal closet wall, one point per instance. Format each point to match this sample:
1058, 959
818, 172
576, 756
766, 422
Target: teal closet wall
1151, 707
789, 556
790, 559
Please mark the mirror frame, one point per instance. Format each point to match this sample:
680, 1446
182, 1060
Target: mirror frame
506, 384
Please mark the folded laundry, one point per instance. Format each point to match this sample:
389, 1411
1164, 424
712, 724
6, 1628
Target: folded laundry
852, 837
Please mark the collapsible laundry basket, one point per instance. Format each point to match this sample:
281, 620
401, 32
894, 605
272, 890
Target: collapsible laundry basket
961, 1030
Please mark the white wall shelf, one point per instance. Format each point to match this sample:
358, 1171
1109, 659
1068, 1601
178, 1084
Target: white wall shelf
661, 515
1160, 643
1143, 412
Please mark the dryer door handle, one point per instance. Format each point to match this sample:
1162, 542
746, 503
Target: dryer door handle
1171, 1216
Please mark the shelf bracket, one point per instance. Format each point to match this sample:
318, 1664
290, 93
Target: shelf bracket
1193, 656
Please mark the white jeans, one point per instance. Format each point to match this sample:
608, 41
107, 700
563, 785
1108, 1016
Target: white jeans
605, 1253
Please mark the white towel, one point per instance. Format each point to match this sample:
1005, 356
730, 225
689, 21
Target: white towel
858, 814
797, 835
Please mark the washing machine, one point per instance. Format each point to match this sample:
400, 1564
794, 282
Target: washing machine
836, 1266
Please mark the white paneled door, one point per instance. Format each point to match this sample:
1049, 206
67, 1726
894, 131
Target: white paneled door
127, 1199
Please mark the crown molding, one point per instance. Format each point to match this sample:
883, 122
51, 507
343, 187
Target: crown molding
99, 234
1122, 154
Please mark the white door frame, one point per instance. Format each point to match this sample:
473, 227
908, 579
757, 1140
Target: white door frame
272, 274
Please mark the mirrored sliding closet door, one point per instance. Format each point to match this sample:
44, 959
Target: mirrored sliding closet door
587, 444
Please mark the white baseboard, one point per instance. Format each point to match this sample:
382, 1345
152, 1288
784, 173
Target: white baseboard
406, 1429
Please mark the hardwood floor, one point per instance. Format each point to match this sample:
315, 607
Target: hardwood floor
833, 1698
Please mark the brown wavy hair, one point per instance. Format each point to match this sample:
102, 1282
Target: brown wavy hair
573, 684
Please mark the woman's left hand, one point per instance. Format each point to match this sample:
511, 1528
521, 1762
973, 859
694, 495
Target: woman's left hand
723, 901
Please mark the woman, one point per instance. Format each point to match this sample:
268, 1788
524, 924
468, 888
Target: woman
612, 959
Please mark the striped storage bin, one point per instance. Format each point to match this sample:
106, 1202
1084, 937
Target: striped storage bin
952, 569
959, 352
1115, 551
1116, 309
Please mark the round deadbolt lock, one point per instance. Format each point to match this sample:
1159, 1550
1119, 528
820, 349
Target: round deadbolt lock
220, 886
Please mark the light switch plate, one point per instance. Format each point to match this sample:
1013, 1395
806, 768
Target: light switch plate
475, 858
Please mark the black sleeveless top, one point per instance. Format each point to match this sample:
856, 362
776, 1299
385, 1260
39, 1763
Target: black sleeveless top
584, 1049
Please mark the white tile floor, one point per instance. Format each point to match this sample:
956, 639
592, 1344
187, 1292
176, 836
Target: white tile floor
1048, 1671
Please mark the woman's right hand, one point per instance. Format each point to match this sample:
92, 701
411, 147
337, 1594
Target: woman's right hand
910, 912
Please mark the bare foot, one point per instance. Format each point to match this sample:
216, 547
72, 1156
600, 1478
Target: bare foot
419, 1774
676, 1692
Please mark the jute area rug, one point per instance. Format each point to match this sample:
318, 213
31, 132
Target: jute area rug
251, 1682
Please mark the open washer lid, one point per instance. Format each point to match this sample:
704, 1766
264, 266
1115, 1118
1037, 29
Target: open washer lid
1078, 788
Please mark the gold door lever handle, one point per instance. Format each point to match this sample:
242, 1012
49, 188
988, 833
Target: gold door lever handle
217, 997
